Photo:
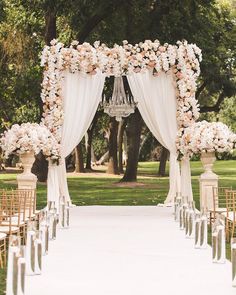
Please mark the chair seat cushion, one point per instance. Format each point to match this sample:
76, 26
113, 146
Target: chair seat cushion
2, 236
218, 210
13, 222
6, 229
230, 215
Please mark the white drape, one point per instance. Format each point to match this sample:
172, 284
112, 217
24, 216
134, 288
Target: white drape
186, 185
157, 104
81, 96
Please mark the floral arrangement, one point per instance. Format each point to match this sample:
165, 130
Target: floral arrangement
27, 137
205, 137
181, 60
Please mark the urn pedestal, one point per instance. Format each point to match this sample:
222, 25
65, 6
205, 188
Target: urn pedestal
207, 180
27, 180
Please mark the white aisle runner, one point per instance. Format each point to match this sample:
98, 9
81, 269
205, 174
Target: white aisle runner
127, 251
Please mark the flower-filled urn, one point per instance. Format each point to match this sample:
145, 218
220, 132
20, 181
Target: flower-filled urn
26, 141
206, 139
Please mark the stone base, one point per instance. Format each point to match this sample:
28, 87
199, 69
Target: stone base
27, 181
207, 181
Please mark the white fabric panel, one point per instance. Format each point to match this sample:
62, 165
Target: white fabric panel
157, 104
81, 96
53, 184
186, 185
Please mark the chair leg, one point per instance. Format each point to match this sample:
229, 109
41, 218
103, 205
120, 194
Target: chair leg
232, 229
212, 219
5, 253
227, 231
1, 259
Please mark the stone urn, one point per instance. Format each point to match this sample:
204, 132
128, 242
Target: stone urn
208, 159
27, 180
208, 179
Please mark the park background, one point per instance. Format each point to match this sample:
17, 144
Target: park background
27, 25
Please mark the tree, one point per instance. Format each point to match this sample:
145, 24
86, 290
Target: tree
79, 160
25, 25
133, 131
112, 147
120, 139
163, 159
90, 133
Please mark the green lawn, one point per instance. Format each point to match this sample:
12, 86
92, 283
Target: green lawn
150, 189
104, 190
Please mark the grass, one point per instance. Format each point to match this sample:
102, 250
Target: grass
105, 190
150, 189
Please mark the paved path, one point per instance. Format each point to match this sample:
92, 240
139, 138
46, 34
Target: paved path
111, 250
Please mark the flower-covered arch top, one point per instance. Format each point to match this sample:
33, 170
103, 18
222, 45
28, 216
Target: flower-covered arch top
182, 60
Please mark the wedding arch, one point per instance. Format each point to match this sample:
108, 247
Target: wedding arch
162, 79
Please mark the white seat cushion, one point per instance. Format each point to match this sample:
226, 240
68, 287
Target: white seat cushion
2, 236
13, 222
229, 216
220, 210
5, 229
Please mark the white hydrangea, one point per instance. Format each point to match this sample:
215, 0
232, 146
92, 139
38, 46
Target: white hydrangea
205, 137
28, 137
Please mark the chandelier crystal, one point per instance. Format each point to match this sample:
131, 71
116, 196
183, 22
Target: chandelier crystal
120, 105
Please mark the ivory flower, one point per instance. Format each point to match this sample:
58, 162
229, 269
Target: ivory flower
205, 136
29, 137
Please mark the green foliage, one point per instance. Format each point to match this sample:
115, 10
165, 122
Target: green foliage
100, 142
208, 23
20, 44
227, 113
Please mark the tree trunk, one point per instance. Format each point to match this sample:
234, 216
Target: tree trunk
103, 158
40, 167
112, 147
143, 139
93, 156
89, 150
163, 159
133, 132
121, 130
89, 141
79, 161
50, 25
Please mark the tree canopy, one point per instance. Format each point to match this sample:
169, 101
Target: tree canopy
26, 25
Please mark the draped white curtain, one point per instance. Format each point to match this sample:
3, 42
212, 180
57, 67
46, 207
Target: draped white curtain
81, 96
186, 185
157, 104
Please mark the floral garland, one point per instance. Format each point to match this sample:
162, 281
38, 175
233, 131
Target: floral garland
27, 137
205, 137
181, 59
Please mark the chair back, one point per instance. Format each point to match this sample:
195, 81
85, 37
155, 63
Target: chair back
10, 208
28, 197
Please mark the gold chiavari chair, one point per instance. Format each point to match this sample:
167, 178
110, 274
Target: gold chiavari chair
3, 250
9, 215
219, 202
230, 214
29, 197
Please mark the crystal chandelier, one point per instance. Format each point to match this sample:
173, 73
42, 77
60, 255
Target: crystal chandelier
120, 105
